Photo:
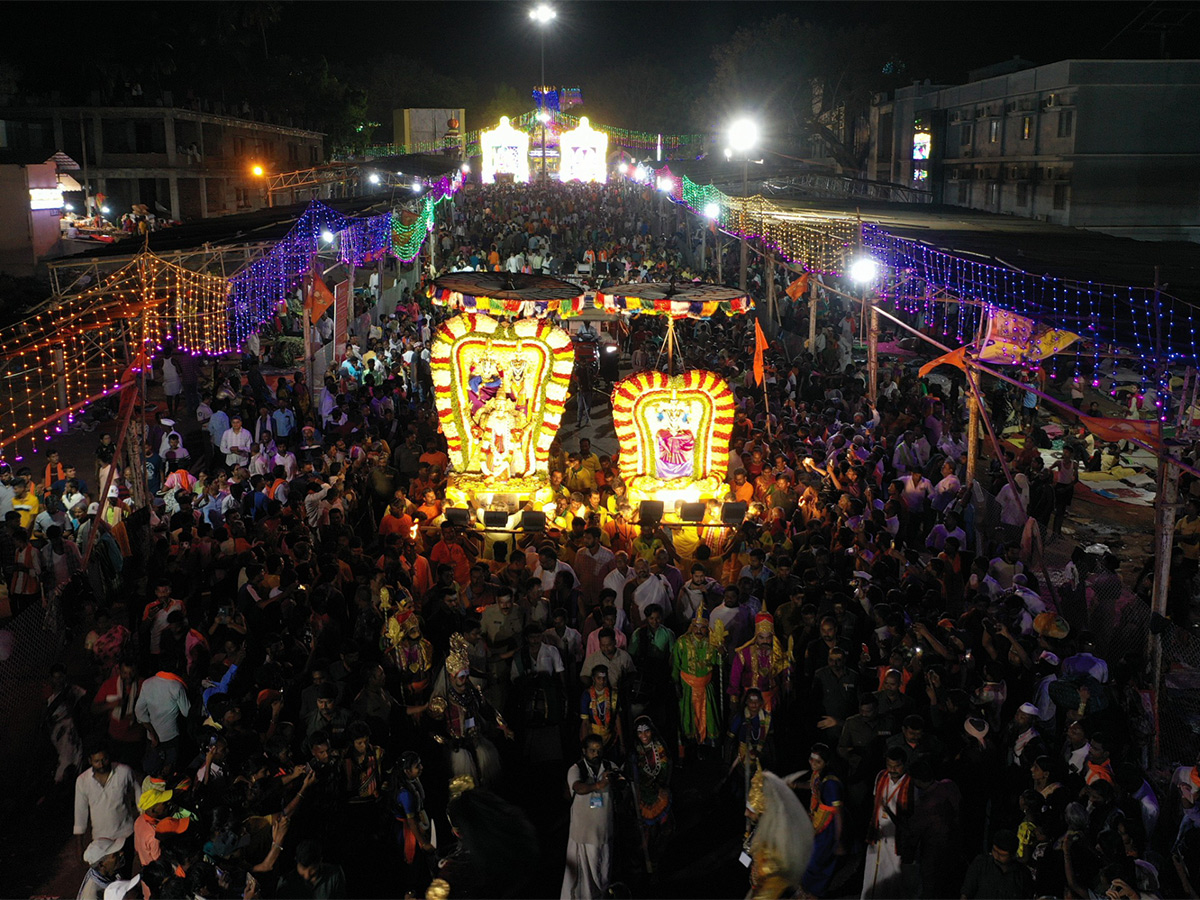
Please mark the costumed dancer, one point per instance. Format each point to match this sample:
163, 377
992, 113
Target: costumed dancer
694, 661
465, 714
415, 829
760, 663
653, 773
893, 804
781, 841
753, 739
406, 648
825, 811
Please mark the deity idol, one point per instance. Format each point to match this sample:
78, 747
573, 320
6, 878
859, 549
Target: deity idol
674, 444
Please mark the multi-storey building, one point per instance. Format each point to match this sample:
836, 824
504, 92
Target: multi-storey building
182, 163
1108, 145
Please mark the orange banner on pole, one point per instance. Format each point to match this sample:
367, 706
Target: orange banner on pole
953, 358
798, 288
321, 297
1113, 431
760, 346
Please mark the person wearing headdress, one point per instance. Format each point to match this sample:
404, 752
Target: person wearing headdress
599, 713
893, 805
781, 841
466, 717
407, 649
693, 662
652, 781
753, 739
590, 784
828, 819
760, 663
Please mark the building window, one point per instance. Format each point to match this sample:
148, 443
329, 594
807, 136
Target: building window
1022, 193
966, 135
1026, 128
312, 155
994, 131
964, 192
993, 194
1066, 123
1060, 196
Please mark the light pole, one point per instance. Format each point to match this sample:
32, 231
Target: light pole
543, 14
743, 135
863, 272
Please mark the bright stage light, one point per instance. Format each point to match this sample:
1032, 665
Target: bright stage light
712, 210
622, 167
416, 187
542, 13
327, 236
373, 178
105, 210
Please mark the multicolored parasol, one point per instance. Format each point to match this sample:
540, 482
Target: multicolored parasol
507, 294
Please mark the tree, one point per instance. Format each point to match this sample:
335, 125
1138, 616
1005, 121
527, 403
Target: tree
505, 101
802, 80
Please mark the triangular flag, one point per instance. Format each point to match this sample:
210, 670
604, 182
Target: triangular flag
953, 358
760, 346
798, 288
320, 298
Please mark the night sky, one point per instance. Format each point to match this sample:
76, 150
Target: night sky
497, 41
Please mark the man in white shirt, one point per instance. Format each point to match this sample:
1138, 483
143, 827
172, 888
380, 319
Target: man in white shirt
549, 565
544, 656
162, 702
947, 489
235, 443
648, 588
106, 795
620, 575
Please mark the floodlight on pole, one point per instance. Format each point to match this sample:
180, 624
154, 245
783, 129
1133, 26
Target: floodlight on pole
373, 178
258, 171
543, 13
712, 210
743, 135
863, 270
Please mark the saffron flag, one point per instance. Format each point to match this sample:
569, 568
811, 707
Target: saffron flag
320, 298
1113, 431
1015, 340
953, 358
798, 288
760, 346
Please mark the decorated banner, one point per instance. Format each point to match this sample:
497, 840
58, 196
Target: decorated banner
342, 313
690, 309
518, 308
500, 388
674, 435
1015, 340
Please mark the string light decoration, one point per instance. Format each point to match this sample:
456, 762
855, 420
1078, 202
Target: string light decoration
821, 244
500, 390
54, 363
674, 435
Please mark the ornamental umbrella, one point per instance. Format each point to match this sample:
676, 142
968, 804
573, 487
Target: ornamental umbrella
507, 293
691, 299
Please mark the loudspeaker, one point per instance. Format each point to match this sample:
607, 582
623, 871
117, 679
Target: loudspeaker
693, 512
734, 513
495, 518
650, 512
532, 520
457, 516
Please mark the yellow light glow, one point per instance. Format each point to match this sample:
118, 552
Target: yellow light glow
258, 171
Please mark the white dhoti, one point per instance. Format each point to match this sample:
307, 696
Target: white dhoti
882, 875
586, 875
589, 845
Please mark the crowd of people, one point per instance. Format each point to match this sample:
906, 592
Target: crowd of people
299, 677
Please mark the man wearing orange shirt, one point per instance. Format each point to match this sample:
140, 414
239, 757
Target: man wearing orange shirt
452, 551
396, 520
742, 490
